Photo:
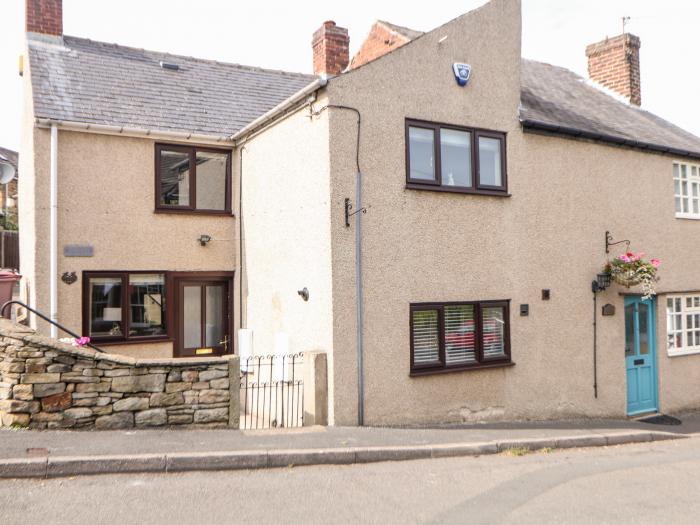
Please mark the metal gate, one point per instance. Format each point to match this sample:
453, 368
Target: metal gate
272, 391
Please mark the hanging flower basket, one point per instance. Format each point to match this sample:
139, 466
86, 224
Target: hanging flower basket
630, 269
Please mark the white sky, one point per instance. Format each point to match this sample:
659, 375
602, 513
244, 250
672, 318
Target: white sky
277, 34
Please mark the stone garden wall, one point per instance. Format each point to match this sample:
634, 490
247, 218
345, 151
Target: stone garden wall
45, 384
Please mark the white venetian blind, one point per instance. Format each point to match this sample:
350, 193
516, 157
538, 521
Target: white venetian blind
426, 342
493, 333
460, 339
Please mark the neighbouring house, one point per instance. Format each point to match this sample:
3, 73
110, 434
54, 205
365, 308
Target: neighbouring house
437, 237
8, 192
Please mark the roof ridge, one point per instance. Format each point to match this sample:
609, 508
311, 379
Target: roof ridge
186, 57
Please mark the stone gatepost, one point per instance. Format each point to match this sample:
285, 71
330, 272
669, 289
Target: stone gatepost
315, 388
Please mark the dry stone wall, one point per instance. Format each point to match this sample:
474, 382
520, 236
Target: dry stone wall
45, 384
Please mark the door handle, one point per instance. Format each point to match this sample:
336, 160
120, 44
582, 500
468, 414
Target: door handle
224, 342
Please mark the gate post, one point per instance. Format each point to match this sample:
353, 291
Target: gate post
315, 389
234, 388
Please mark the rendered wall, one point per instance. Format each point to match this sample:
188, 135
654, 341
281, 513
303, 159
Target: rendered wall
422, 246
106, 200
286, 239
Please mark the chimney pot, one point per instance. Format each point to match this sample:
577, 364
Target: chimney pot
331, 49
614, 63
44, 16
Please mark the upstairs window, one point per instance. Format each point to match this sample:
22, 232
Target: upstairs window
193, 179
686, 182
452, 158
456, 336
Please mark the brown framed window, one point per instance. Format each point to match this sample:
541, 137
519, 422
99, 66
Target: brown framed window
124, 306
459, 336
193, 179
444, 157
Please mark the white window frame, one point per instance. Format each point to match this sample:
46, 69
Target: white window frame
675, 317
686, 182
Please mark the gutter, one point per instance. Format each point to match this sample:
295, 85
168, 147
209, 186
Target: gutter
131, 131
279, 109
603, 137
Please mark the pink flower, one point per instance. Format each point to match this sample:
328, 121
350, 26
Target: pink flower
625, 258
81, 341
655, 263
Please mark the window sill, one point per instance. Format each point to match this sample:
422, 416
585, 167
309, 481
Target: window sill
453, 189
681, 353
434, 371
115, 342
687, 217
176, 211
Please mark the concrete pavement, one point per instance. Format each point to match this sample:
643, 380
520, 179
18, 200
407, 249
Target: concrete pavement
639, 483
26, 453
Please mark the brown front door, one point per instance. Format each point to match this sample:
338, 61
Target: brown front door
203, 316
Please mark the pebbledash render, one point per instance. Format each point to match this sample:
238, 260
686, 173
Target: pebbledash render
437, 240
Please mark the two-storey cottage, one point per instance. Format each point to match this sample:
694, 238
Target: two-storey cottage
437, 238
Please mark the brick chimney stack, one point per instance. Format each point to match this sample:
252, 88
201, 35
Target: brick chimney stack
331, 46
45, 17
614, 64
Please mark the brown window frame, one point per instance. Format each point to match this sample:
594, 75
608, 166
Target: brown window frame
125, 338
476, 188
481, 363
191, 208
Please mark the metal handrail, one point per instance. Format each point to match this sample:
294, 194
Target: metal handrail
48, 320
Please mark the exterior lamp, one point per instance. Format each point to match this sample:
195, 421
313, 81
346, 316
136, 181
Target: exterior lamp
603, 280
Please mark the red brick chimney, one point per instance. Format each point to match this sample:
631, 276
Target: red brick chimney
331, 45
44, 16
614, 64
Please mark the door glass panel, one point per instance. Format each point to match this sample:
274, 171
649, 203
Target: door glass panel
192, 322
629, 330
643, 329
215, 315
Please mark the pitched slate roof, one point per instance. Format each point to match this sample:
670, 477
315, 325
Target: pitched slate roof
558, 100
81, 80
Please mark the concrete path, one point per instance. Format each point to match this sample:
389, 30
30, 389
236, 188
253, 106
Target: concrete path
26, 453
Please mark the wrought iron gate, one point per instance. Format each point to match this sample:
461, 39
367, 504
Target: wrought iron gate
272, 391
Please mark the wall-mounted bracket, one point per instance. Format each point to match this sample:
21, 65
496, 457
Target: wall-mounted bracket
348, 214
609, 242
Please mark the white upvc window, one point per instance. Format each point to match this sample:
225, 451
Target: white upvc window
683, 324
686, 182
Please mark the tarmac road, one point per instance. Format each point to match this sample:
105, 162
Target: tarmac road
641, 483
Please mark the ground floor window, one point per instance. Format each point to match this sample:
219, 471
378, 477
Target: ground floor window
453, 336
119, 306
683, 324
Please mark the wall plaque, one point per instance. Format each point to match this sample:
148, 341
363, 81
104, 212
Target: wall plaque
77, 250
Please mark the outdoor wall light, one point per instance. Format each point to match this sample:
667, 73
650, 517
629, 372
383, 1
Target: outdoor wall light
603, 280
204, 239
304, 293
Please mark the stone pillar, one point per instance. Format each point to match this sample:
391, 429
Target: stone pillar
234, 386
315, 389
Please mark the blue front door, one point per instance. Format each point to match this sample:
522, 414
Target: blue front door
640, 355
